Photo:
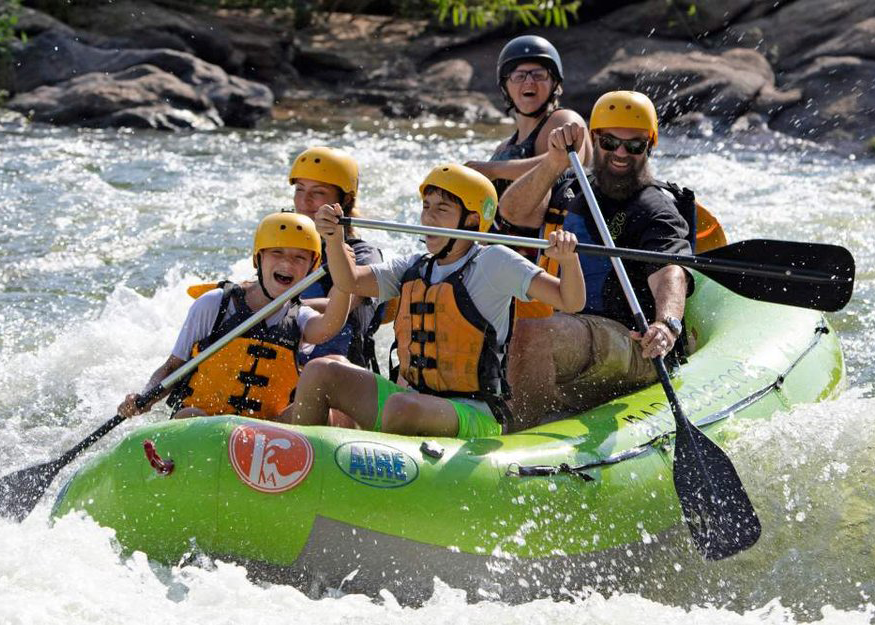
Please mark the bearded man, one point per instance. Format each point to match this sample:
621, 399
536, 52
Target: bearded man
565, 363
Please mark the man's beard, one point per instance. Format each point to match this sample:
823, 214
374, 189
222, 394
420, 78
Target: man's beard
620, 186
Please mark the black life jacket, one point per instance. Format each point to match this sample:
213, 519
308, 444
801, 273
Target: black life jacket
361, 324
598, 271
513, 151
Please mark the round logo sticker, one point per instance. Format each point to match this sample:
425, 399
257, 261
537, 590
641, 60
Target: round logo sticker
269, 459
488, 209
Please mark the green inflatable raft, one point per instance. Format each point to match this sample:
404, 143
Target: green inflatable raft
365, 511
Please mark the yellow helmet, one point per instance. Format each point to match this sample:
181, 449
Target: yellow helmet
328, 165
287, 230
625, 109
473, 188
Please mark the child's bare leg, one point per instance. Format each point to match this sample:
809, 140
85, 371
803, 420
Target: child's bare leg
417, 414
326, 384
188, 412
338, 418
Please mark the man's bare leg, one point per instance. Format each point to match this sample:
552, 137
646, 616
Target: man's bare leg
188, 412
544, 353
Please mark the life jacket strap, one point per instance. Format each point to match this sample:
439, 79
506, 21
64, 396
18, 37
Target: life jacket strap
252, 379
422, 308
555, 216
423, 336
244, 404
262, 351
423, 362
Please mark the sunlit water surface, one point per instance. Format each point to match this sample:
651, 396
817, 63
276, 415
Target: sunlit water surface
102, 231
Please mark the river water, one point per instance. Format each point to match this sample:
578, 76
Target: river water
102, 231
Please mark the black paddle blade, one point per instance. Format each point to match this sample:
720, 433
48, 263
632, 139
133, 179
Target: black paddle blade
22, 490
828, 292
716, 507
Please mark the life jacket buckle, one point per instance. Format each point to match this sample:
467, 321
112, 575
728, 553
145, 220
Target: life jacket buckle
423, 362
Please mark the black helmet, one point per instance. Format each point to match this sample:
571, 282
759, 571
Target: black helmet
528, 48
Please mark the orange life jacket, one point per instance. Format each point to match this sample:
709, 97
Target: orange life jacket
445, 345
534, 309
255, 374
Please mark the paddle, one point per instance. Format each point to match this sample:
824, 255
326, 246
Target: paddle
718, 512
20, 491
808, 275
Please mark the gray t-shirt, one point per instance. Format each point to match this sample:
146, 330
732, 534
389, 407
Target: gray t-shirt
202, 316
497, 275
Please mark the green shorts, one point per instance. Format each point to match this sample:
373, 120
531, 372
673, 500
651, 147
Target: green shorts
473, 423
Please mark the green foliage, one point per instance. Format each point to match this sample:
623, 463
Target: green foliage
482, 13
474, 13
8, 19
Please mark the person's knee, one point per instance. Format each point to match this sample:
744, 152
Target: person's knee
528, 333
319, 372
571, 345
403, 414
530, 347
188, 413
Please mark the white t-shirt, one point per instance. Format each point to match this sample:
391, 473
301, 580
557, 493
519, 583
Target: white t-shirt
202, 316
496, 276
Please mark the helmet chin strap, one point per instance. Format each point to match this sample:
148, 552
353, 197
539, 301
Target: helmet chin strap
446, 249
261, 278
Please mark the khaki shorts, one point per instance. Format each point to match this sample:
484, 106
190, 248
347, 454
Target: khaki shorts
609, 365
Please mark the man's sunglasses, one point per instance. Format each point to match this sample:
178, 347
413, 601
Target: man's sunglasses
519, 75
633, 146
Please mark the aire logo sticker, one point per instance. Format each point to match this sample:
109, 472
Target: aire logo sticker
269, 459
376, 464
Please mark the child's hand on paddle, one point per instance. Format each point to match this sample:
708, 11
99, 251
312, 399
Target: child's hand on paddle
327, 221
563, 246
128, 408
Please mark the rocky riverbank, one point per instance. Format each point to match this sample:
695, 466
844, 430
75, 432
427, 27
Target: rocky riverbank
802, 67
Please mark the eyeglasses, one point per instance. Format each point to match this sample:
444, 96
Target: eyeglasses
633, 146
520, 75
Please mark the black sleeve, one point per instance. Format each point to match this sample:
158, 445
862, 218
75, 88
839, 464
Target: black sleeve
657, 226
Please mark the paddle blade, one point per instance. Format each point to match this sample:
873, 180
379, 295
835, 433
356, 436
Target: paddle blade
22, 490
829, 293
716, 507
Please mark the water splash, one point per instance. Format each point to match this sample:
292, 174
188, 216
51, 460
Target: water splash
102, 231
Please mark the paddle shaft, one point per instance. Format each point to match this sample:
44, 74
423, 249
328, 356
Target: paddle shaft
719, 514
702, 263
